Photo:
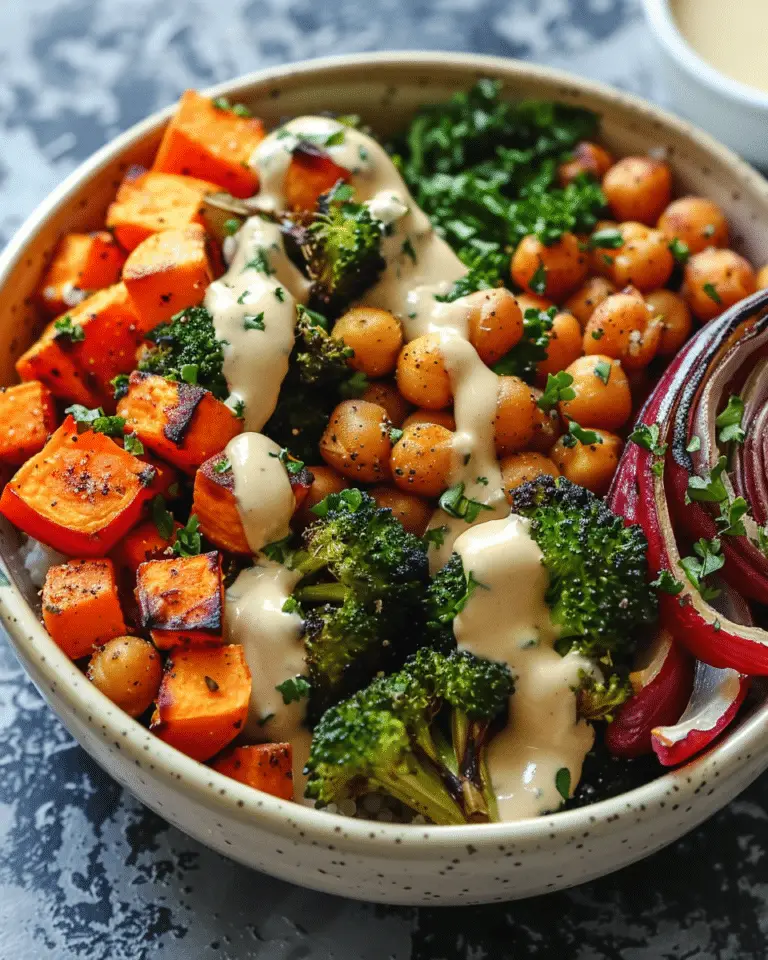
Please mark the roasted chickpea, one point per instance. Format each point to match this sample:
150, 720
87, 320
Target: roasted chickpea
519, 468
587, 158
762, 278
532, 301
326, 481
716, 279
560, 267
375, 336
413, 512
128, 670
624, 328
547, 425
676, 322
638, 188
443, 418
582, 304
597, 403
386, 394
422, 459
422, 376
563, 346
643, 260
590, 465
495, 323
515, 416
356, 441
696, 221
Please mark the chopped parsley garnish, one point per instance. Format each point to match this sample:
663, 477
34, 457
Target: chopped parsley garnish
67, 328
96, 420
680, 251
162, 517
223, 466
563, 782
260, 262
522, 359
231, 226
730, 523
280, 294
538, 282
707, 559
291, 465
253, 321
577, 434
666, 583
608, 238
133, 445
710, 488
120, 385
395, 433
455, 504
188, 539
694, 444
558, 388
239, 109
189, 373
603, 371
407, 249
647, 437
730, 420
711, 292
291, 605
293, 689
435, 537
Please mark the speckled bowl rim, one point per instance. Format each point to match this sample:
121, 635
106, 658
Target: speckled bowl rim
662, 22
243, 804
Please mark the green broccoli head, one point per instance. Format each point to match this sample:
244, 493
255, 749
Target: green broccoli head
599, 591
599, 697
446, 596
320, 359
419, 735
187, 349
363, 579
342, 248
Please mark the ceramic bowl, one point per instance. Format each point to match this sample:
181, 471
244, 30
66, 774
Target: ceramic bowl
371, 860
732, 111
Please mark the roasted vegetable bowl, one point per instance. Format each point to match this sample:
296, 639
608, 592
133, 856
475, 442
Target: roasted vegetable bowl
327, 467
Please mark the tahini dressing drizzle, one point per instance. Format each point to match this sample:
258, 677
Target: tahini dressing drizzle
544, 735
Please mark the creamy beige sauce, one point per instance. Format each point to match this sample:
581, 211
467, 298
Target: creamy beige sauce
274, 652
507, 620
730, 37
259, 290
263, 491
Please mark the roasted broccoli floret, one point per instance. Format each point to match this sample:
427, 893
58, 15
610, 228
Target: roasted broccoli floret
318, 375
342, 248
419, 735
187, 349
599, 698
446, 596
599, 592
363, 579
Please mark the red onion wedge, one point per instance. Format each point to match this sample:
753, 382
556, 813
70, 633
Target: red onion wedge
662, 687
717, 695
639, 493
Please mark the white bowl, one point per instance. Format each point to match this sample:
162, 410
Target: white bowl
376, 861
732, 111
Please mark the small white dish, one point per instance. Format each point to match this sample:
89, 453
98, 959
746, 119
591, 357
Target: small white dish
367, 860
730, 110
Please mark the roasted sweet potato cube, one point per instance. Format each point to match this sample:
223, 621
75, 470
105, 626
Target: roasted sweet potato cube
206, 140
80, 494
143, 543
181, 423
167, 273
82, 264
215, 506
27, 417
310, 173
203, 699
264, 766
148, 202
51, 361
81, 608
181, 600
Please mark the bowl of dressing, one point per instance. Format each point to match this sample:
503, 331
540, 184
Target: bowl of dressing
716, 69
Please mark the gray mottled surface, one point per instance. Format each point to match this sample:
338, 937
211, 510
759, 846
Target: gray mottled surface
85, 871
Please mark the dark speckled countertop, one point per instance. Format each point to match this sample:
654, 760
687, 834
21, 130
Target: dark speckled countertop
85, 870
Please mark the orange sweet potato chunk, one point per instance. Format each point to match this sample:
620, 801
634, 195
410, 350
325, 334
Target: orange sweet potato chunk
82, 264
203, 699
148, 202
93, 342
140, 545
215, 506
168, 272
310, 173
80, 494
203, 140
264, 766
81, 608
181, 600
181, 423
27, 417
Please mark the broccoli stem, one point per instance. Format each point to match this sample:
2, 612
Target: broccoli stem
321, 593
422, 791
